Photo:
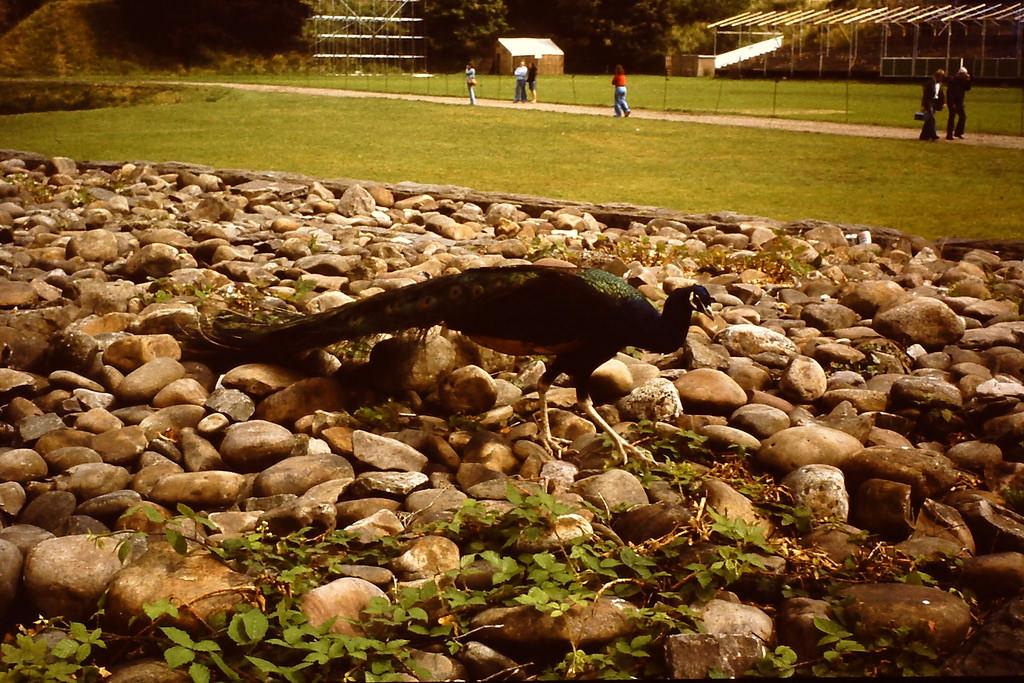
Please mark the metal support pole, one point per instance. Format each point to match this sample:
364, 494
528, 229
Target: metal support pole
821, 54
792, 55
984, 26
949, 40
913, 54
849, 61
885, 45
1020, 53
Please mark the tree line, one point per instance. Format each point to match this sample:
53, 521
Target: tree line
595, 34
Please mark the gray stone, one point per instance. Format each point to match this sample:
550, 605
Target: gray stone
12, 498
803, 380
656, 400
384, 453
300, 473
388, 483
428, 557
752, 340
821, 489
759, 420
11, 562
255, 444
557, 536
433, 505
708, 391
143, 383
996, 649
582, 625
795, 624
923, 320
933, 615
196, 579
995, 575
611, 490
883, 507
381, 523
697, 655
829, 316
994, 527
929, 474
721, 617
791, 448
212, 488
66, 576
89, 480
653, 520
317, 517
22, 465
231, 402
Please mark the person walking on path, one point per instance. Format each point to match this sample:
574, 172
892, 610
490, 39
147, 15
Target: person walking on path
956, 88
932, 100
531, 81
619, 82
471, 82
520, 74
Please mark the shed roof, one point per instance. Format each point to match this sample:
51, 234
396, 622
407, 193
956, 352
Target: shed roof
880, 15
530, 46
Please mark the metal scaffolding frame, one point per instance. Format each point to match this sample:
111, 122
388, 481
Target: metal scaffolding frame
940, 20
369, 36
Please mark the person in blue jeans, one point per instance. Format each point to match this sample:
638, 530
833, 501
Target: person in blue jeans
520, 74
619, 81
471, 82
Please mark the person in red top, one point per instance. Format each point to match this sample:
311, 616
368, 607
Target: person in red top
619, 81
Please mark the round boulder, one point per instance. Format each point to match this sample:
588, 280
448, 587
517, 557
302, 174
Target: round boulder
711, 392
925, 321
794, 447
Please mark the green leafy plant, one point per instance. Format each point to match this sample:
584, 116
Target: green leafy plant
29, 656
894, 652
1014, 497
779, 663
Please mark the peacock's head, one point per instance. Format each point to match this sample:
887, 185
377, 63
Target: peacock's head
700, 299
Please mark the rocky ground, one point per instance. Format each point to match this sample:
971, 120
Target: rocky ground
837, 453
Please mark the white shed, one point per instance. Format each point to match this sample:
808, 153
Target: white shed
510, 51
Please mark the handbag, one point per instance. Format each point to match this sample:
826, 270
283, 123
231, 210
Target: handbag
472, 81
920, 116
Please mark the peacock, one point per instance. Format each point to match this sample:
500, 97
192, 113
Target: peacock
581, 317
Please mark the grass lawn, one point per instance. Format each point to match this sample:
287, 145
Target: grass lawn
990, 109
931, 190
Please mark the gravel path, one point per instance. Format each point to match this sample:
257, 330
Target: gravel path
860, 130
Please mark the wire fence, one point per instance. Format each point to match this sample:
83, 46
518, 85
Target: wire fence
990, 109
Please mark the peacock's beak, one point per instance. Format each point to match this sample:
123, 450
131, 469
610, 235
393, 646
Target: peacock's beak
701, 301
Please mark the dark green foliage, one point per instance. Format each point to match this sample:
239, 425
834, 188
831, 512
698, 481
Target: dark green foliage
596, 35
189, 31
459, 31
13, 11
57, 95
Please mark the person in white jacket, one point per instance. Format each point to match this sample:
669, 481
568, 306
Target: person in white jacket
520, 74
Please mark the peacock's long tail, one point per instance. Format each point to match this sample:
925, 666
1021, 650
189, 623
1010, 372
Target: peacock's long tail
420, 305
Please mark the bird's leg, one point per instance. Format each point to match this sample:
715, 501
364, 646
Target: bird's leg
624, 448
545, 426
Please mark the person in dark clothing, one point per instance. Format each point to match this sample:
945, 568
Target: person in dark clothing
932, 100
955, 91
531, 81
